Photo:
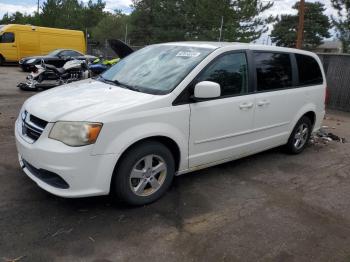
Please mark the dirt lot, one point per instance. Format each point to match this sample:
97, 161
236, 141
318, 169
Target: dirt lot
267, 207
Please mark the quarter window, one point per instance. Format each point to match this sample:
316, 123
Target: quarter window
309, 70
230, 71
273, 70
7, 37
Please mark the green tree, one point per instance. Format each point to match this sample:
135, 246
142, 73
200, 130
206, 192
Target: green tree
71, 14
342, 22
20, 18
169, 20
316, 27
93, 13
110, 26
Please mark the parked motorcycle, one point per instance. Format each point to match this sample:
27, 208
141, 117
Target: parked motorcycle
48, 76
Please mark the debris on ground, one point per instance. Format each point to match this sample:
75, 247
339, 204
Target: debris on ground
12, 259
324, 137
62, 231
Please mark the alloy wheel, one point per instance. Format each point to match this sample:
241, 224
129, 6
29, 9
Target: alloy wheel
301, 136
148, 175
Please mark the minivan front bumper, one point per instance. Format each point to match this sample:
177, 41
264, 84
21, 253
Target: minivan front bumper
63, 170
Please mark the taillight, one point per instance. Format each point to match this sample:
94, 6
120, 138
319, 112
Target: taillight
326, 97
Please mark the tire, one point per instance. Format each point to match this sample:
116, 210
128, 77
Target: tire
2, 60
25, 87
144, 173
301, 132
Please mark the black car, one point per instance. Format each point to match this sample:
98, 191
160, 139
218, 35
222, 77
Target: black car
57, 58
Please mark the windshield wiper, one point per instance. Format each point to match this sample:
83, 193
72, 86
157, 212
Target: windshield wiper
117, 83
133, 88
101, 78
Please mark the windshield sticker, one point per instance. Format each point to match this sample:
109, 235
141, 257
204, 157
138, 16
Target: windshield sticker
188, 54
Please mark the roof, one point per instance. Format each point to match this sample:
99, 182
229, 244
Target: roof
40, 28
205, 44
238, 45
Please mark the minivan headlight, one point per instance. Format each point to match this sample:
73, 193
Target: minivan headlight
75, 133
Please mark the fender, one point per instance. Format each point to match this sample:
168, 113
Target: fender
309, 107
121, 142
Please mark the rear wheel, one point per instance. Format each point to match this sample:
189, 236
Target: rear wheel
2, 60
300, 136
144, 173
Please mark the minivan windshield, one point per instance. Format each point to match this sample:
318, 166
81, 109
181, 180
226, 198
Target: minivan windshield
156, 69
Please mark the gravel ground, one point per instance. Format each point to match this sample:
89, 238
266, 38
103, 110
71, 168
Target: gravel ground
267, 207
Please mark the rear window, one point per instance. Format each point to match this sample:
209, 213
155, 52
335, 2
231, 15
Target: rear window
7, 37
273, 70
309, 70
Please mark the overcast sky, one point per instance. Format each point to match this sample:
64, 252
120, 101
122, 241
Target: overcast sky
29, 6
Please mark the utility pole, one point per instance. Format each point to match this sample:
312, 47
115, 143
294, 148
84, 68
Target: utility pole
300, 35
38, 6
126, 33
222, 24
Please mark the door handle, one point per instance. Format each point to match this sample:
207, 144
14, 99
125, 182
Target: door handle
246, 105
263, 102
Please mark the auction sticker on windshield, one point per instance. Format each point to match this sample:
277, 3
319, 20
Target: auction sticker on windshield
188, 54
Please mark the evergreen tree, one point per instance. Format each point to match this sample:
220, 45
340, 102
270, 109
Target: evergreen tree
169, 20
342, 23
316, 27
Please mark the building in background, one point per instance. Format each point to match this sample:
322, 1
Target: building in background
330, 46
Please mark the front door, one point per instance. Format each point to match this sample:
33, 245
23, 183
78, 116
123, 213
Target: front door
220, 128
8, 47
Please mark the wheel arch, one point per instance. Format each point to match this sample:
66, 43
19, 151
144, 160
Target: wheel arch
165, 140
309, 111
312, 116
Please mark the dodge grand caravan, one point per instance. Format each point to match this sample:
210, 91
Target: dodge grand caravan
166, 110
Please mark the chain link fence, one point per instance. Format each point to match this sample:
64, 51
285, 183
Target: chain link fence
337, 69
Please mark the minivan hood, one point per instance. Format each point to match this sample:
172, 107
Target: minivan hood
83, 100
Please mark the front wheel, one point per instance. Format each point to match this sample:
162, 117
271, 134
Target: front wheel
144, 173
300, 136
26, 87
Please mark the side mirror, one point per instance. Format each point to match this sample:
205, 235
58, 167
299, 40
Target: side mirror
206, 90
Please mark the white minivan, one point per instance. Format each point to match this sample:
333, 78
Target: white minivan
166, 110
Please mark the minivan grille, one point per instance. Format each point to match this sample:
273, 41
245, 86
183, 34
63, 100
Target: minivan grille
37, 121
32, 126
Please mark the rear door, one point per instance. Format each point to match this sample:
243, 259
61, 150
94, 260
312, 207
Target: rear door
219, 128
8, 46
278, 99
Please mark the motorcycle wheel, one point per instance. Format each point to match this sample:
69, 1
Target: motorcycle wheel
25, 87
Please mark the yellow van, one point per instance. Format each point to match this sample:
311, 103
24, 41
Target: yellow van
18, 41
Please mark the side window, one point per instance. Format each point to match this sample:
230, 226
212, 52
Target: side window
273, 71
309, 70
70, 53
74, 53
7, 37
230, 71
